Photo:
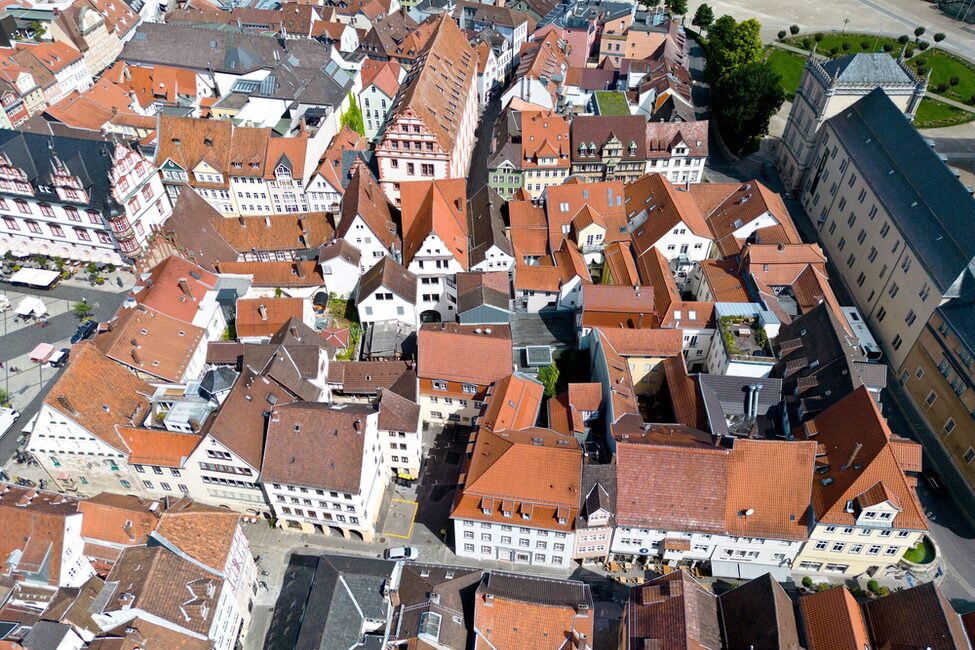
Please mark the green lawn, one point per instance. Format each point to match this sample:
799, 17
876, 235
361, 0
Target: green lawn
943, 67
830, 40
933, 114
610, 102
789, 66
922, 553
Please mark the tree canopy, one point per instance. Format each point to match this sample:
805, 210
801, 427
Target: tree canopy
703, 17
749, 97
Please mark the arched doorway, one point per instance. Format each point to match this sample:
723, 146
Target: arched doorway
430, 316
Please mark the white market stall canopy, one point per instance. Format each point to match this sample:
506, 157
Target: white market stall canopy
34, 277
31, 306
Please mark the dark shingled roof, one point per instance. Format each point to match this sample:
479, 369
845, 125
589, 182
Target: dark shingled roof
445, 590
390, 274
758, 615
926, 202
670, 612
486, 224
872, 68
920, 617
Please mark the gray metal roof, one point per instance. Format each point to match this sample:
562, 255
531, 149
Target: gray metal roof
872, 68
929, 206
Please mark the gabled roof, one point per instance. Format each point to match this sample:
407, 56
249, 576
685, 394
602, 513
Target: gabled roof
444, 75
605, 199
100, 395
435, 207
397, 413
758, 614
106, 515
672, 612
487, 225
390, 274
477, 288
832, 621
730, 206
918, 617
203, 532
600, 129
259, 317
662, 137
853, 428
35, 525
175, 287
151, 342
240, 423
664, 206
382, 74
364, 198
512, 404
932, 209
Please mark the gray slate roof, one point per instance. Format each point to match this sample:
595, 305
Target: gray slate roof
390, 274
927, 203
868, 68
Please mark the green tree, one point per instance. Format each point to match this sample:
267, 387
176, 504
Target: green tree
4, 397
82, 310
918, 32
749, 97
677, 7
940, 36
549, 376
793, 29
352, 118
782, 34
732, 45
703, 17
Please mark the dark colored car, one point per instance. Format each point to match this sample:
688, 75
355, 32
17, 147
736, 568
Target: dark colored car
85, 331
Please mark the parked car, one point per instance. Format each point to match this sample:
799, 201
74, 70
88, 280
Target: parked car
85, 330
401, 553
59, 358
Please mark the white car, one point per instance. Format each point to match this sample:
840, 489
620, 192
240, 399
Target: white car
7, 419
401, 553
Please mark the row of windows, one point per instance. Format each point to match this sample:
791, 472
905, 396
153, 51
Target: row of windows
541, 532
841, 547
539, 557
325, 516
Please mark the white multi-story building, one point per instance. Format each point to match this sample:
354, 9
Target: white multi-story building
325, 468
729, 507
678, 150
380, 83
75, 198
400, 431
663, 217
387, 292
504, 514
436, 243
367, 220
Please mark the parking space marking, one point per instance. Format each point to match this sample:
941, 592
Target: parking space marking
409, 533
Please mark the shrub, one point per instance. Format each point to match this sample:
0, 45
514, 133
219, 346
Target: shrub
17, 267
781, 34
864, 45
903, 39
954, 81
99, 280
919, 31
110, 268
794, 29
923, 45
873, 585
921, 70
833, 51
807, 582
818, 37
822, 586
91, 267
807, 43
909, 52
845, 45
971, 100
883, 591
940, 36
888, 47
942, 88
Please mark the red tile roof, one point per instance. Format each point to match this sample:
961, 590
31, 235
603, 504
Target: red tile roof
665, 208
106, 515
158, 447
438, 207
277, 312
604, 199
513, 403
833, 621
175, 287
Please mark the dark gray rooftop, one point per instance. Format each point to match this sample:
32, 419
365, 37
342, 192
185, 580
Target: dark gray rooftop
927, 203
867, 68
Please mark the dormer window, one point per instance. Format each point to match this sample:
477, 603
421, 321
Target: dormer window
632, 148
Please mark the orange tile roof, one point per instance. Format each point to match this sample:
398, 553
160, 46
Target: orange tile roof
618, 299
275, 232
655, 271
444, 353
530, 618
53, 55
445, 74
288, 152
544, 134
604, 199
730, 206
438, 207
383, 74
330, 165
833, 621
647, 342
151, 342
559, 418
620, 263
724, 281
534, 471
781, 264
512, 403
537, 278
140, 634
175, 287
106, 515
622, 395
203, 532
277, 274
278, 311
569, 261
158, 446
100, 395
33, 523
852, 421
665, 206
586, 396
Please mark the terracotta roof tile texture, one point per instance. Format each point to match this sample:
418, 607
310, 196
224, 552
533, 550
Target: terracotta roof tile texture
513, 403
99, 395
832, 621
158, 447
277, 274
152, 342
106, 514
277, 312
205, 533
240, 423
444, 353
